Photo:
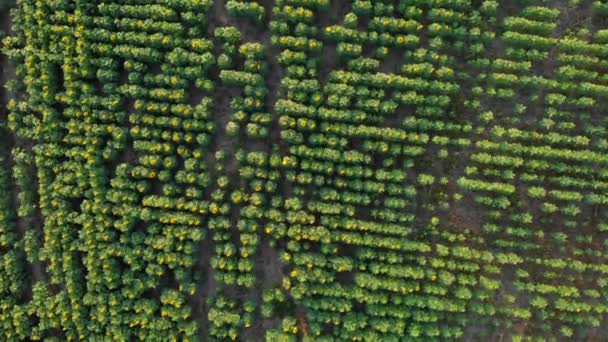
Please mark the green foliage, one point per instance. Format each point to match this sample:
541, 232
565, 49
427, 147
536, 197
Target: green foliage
411, 170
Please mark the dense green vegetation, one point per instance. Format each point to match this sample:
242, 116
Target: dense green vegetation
304, 170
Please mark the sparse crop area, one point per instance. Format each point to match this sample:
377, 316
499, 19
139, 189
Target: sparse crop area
304, 170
